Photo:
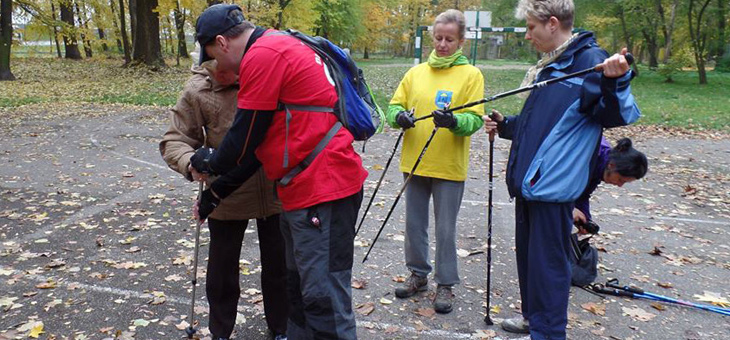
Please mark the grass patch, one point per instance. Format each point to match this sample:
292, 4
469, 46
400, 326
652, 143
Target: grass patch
683, 103
42, 80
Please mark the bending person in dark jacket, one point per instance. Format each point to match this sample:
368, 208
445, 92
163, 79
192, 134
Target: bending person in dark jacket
554, 139
618, 166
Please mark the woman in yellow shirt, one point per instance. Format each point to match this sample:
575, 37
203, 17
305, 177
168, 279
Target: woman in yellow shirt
445, 80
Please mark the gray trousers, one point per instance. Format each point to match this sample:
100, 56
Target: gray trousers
319, 250
447, 197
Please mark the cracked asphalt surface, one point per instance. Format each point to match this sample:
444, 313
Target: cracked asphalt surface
96, 238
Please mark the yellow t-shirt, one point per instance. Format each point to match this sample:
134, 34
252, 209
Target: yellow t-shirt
427, 89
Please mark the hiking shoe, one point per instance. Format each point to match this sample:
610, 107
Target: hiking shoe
413, 285
280, 337
444, 301
516, 325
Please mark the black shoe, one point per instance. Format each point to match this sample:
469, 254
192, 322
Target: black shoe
413, 285
444, 301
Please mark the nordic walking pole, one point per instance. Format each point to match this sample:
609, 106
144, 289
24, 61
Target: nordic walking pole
629, 58
375, 192
613, 283
633, 293
191, 330
599, 67
400, 193
387, 165
487, 318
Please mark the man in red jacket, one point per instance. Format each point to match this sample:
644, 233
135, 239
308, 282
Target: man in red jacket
321, 202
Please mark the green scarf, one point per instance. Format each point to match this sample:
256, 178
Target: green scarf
445, 62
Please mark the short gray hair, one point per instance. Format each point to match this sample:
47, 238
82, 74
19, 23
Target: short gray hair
452, 16
542, 10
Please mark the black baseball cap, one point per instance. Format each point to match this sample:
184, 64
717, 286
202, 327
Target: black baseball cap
214, 21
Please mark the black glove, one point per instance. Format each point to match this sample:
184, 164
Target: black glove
444, 119
208, 203
405, 120
200, 160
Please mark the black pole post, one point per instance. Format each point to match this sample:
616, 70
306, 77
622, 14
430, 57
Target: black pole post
380, 181
400, 193
487, 318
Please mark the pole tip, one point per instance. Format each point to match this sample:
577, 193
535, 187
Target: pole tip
488, 320
190, 331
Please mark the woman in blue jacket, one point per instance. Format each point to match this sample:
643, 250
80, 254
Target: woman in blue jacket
554, 140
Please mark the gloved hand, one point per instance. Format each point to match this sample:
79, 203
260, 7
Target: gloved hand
208, 202
405, 120
444, 119
200, 159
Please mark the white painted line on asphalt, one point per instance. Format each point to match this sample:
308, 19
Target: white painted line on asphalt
126, 293
98, 145
86, 212
649, 217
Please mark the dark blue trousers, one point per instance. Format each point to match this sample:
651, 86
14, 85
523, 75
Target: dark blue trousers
542, 239
319, 250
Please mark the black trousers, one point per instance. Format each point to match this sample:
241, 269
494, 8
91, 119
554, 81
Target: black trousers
222, 279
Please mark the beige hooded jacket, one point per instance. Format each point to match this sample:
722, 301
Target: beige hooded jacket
204, 102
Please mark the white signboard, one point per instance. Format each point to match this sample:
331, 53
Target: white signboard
485, 18
473, 35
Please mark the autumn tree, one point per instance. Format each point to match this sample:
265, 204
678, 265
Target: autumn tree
123, 30
68, 30
699, 30
147, 49
337, 20
6, 38
374, 20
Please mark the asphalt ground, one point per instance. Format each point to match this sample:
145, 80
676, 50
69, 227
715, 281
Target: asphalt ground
97, 238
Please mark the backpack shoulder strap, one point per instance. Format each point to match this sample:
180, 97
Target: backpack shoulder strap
310, 158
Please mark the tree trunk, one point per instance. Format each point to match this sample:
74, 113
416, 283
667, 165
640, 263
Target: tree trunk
6, 39
365, 54
133, 20
102, 37
721, 24
147, 47
123, 29
698, 36
182, 46
670, 32
82, 22
280, 19
652, 48
55, 30
115, 24
69, 32
625, 30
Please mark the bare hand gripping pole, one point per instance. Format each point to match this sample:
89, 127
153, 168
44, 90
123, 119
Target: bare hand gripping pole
190, 331
599, 67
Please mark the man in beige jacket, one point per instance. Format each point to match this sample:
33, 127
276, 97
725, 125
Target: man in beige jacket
210, 102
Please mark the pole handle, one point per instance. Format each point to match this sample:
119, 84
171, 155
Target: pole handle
613, 283
599, 288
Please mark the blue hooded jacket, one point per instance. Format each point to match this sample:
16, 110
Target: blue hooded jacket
555, 136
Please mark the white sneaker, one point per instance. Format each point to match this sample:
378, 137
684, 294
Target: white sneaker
516, 325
